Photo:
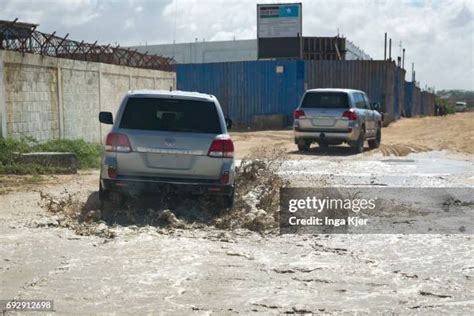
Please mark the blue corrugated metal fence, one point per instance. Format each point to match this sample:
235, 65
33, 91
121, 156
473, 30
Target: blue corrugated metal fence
246, 89
399, 93
418, 102
409, 99
379, 79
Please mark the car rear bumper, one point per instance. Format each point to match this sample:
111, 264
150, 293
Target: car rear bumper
329, 135
141, 185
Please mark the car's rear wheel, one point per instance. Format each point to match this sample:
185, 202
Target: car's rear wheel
304, 146
216, 204
110, 200
229, 200
358, 145
375, 143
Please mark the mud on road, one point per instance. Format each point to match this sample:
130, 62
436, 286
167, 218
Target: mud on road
453, 133
187, 257
137, 267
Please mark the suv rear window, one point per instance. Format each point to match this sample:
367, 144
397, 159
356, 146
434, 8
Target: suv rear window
175, 115
326, 100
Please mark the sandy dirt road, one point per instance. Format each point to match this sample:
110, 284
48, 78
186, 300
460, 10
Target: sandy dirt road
202, 269
454, 133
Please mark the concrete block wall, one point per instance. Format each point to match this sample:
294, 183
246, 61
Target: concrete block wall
31, 101
80, 101
110, 94
51, 98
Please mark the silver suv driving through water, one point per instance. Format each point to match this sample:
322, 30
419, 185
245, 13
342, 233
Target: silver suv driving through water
336, 116
167, 139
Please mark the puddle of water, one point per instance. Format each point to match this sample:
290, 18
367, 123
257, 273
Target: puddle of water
398, 160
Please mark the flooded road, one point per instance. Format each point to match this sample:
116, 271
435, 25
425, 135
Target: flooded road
200, 268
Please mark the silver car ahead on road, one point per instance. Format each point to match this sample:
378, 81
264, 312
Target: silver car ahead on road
336, 116
460, 107
163, 140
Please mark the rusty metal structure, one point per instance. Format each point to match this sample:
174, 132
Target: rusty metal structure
324, 48
24, 38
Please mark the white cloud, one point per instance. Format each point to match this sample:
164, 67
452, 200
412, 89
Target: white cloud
129, 23
438, 35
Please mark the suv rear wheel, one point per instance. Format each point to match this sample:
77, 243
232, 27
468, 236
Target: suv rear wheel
358, 145
229, 200
375, 143
303, 146
110, 200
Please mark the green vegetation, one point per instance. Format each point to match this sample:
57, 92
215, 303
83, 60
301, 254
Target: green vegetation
454, 96
448, 107
88, 155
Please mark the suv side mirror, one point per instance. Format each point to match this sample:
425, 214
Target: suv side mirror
228, 123
106, 118
376, 106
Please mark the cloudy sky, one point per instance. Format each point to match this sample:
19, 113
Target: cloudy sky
438, 35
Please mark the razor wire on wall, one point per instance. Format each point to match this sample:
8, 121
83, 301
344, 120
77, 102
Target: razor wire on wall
24, 38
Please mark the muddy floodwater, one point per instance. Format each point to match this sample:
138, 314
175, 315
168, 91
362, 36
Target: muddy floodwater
193, 266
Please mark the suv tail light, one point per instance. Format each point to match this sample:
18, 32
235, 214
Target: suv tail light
118, 142
222, 146
112, 172
224, 178
351, 115
298, 113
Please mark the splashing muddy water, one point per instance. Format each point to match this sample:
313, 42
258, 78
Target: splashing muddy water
162, 259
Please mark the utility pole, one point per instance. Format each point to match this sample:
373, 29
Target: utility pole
403, 59
390, 50
385, 47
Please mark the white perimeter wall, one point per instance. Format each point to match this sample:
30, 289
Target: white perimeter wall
51, 98
205, 52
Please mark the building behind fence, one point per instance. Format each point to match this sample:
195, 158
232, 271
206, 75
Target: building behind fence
314, 48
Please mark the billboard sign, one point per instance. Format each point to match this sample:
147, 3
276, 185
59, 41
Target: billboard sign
279, 20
